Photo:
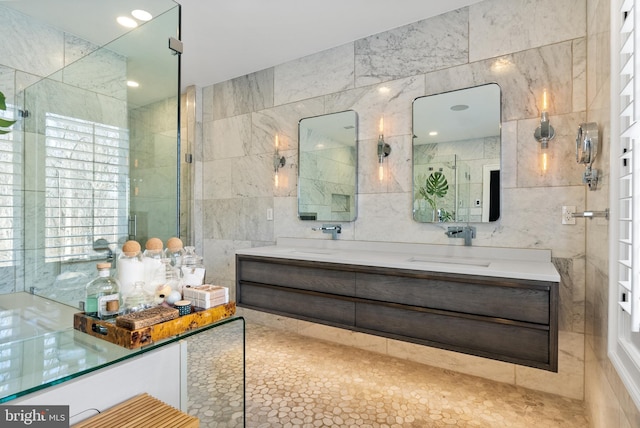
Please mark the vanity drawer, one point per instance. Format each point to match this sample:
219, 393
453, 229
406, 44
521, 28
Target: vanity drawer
503, 341
527, 301
340, 282
309, 306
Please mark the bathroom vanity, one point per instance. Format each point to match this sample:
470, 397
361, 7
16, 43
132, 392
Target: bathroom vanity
489, 302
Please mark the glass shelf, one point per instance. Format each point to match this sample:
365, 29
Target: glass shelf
40, 349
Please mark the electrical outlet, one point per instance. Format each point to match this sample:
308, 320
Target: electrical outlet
567, 217
269, 214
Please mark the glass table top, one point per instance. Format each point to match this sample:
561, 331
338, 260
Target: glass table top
39, 346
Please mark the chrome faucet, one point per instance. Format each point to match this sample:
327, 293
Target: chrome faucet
333, 229
466, 232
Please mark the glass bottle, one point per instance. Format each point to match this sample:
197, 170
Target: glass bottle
174, 251
103, 299
192, 268
130, 267
153, 268
172, 276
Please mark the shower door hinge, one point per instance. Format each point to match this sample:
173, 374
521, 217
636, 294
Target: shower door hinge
23, 113
188, 158
175, 45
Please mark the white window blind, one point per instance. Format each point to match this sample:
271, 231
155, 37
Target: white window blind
11, 201
86, 168
624, 297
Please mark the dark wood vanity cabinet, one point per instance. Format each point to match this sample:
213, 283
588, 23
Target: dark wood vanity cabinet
506, 319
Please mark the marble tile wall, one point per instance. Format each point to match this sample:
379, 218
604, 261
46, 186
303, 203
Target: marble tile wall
608, 403
381, 75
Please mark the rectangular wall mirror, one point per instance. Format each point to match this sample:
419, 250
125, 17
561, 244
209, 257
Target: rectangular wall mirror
456, 156
327, 167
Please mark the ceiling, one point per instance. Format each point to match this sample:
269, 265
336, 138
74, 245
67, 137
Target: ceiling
227, 39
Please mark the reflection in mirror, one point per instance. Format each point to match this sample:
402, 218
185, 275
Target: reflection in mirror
456, 156
327, 167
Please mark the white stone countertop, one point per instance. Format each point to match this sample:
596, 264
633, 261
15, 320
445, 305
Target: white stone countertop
533, 264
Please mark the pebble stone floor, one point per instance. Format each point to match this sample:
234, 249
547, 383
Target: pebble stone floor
296, 381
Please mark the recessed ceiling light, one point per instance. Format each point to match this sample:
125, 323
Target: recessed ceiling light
459, 107
142, 15
132, 84
127, 22
433, 133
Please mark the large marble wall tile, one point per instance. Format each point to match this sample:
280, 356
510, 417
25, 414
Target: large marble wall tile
283, 122
603, 408
572, 293
222, 221
391, 100
522, 76
102, 71
531, 218
34, 48
579, 51
254, 213
318, 74
509, 152
569, 381
227, 138
243, 94
207, 103
427, 45
252, 176
216, 179
498, 27
8, 83
563, 170
76, 48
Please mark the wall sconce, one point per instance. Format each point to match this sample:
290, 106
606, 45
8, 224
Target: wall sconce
543, 134
383, 150
278, 162
586, 151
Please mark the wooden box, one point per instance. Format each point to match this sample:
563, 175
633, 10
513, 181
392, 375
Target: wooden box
132, 339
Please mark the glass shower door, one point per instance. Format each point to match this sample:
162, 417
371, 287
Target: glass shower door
101, 158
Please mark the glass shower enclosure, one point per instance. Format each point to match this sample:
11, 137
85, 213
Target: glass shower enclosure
93, 159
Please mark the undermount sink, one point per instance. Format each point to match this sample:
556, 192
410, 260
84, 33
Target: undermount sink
440, 260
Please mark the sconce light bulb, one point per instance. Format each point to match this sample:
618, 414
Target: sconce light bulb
381, 172
544, 101
381, 127
276, 141
545, 162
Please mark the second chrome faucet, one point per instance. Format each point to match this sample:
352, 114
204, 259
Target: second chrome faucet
333, 229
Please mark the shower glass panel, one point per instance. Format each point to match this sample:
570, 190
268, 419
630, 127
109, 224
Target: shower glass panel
101, 157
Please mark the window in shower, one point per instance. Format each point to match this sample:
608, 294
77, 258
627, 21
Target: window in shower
86, 186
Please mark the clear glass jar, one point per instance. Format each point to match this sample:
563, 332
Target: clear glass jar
153, 268
172, 276
130, 267
102, 295
138, 299
193, 271
174, 251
